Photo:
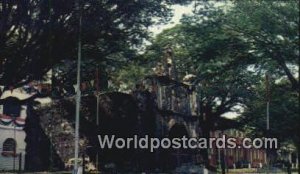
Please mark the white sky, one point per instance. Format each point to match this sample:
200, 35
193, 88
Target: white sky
178, 12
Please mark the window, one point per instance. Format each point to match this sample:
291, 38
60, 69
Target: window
9, 147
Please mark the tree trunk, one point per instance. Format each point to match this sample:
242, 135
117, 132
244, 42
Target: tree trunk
292, 79
206, 134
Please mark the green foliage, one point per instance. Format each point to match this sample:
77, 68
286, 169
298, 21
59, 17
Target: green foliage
284, 113
127, 77
271, 29
35, 35
229, 49
215, 55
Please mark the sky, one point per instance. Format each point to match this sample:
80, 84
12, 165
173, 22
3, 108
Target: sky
178, 12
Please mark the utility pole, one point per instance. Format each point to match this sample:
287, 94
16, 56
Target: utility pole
78, 92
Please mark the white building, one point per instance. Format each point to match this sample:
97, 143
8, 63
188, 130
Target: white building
12, 136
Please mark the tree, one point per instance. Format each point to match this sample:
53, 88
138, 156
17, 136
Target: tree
230, 50
284, 113
272, 31
125, 79
216, 57
35, 35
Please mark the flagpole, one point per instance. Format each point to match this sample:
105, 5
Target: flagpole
78, 92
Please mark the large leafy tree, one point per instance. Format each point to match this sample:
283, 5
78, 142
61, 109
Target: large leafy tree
284, 112
35, 35
271, 28
216, 56
231, 50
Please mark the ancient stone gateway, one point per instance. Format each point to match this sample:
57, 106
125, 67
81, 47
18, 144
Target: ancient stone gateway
159, 107
174, 109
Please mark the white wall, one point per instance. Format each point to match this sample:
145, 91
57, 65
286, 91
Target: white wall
6, 163
17, 133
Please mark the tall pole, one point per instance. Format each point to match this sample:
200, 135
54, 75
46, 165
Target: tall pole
97, 92
97, 120
78, 92
268, 116
51, 142
268, 102
97, 111
15, 148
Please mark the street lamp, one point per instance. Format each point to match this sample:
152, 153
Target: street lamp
267, 117
78, 92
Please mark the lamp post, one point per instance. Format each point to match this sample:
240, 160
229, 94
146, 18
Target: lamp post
268, 101
267, 117
97, 110
78, 92
15, 148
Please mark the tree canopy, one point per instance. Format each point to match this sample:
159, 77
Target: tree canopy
35, 35
271, 29
230, 49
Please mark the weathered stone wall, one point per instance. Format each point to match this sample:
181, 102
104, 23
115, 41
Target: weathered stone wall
40, 154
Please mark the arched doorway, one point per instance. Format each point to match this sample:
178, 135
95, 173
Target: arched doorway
178, 131
174, 157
